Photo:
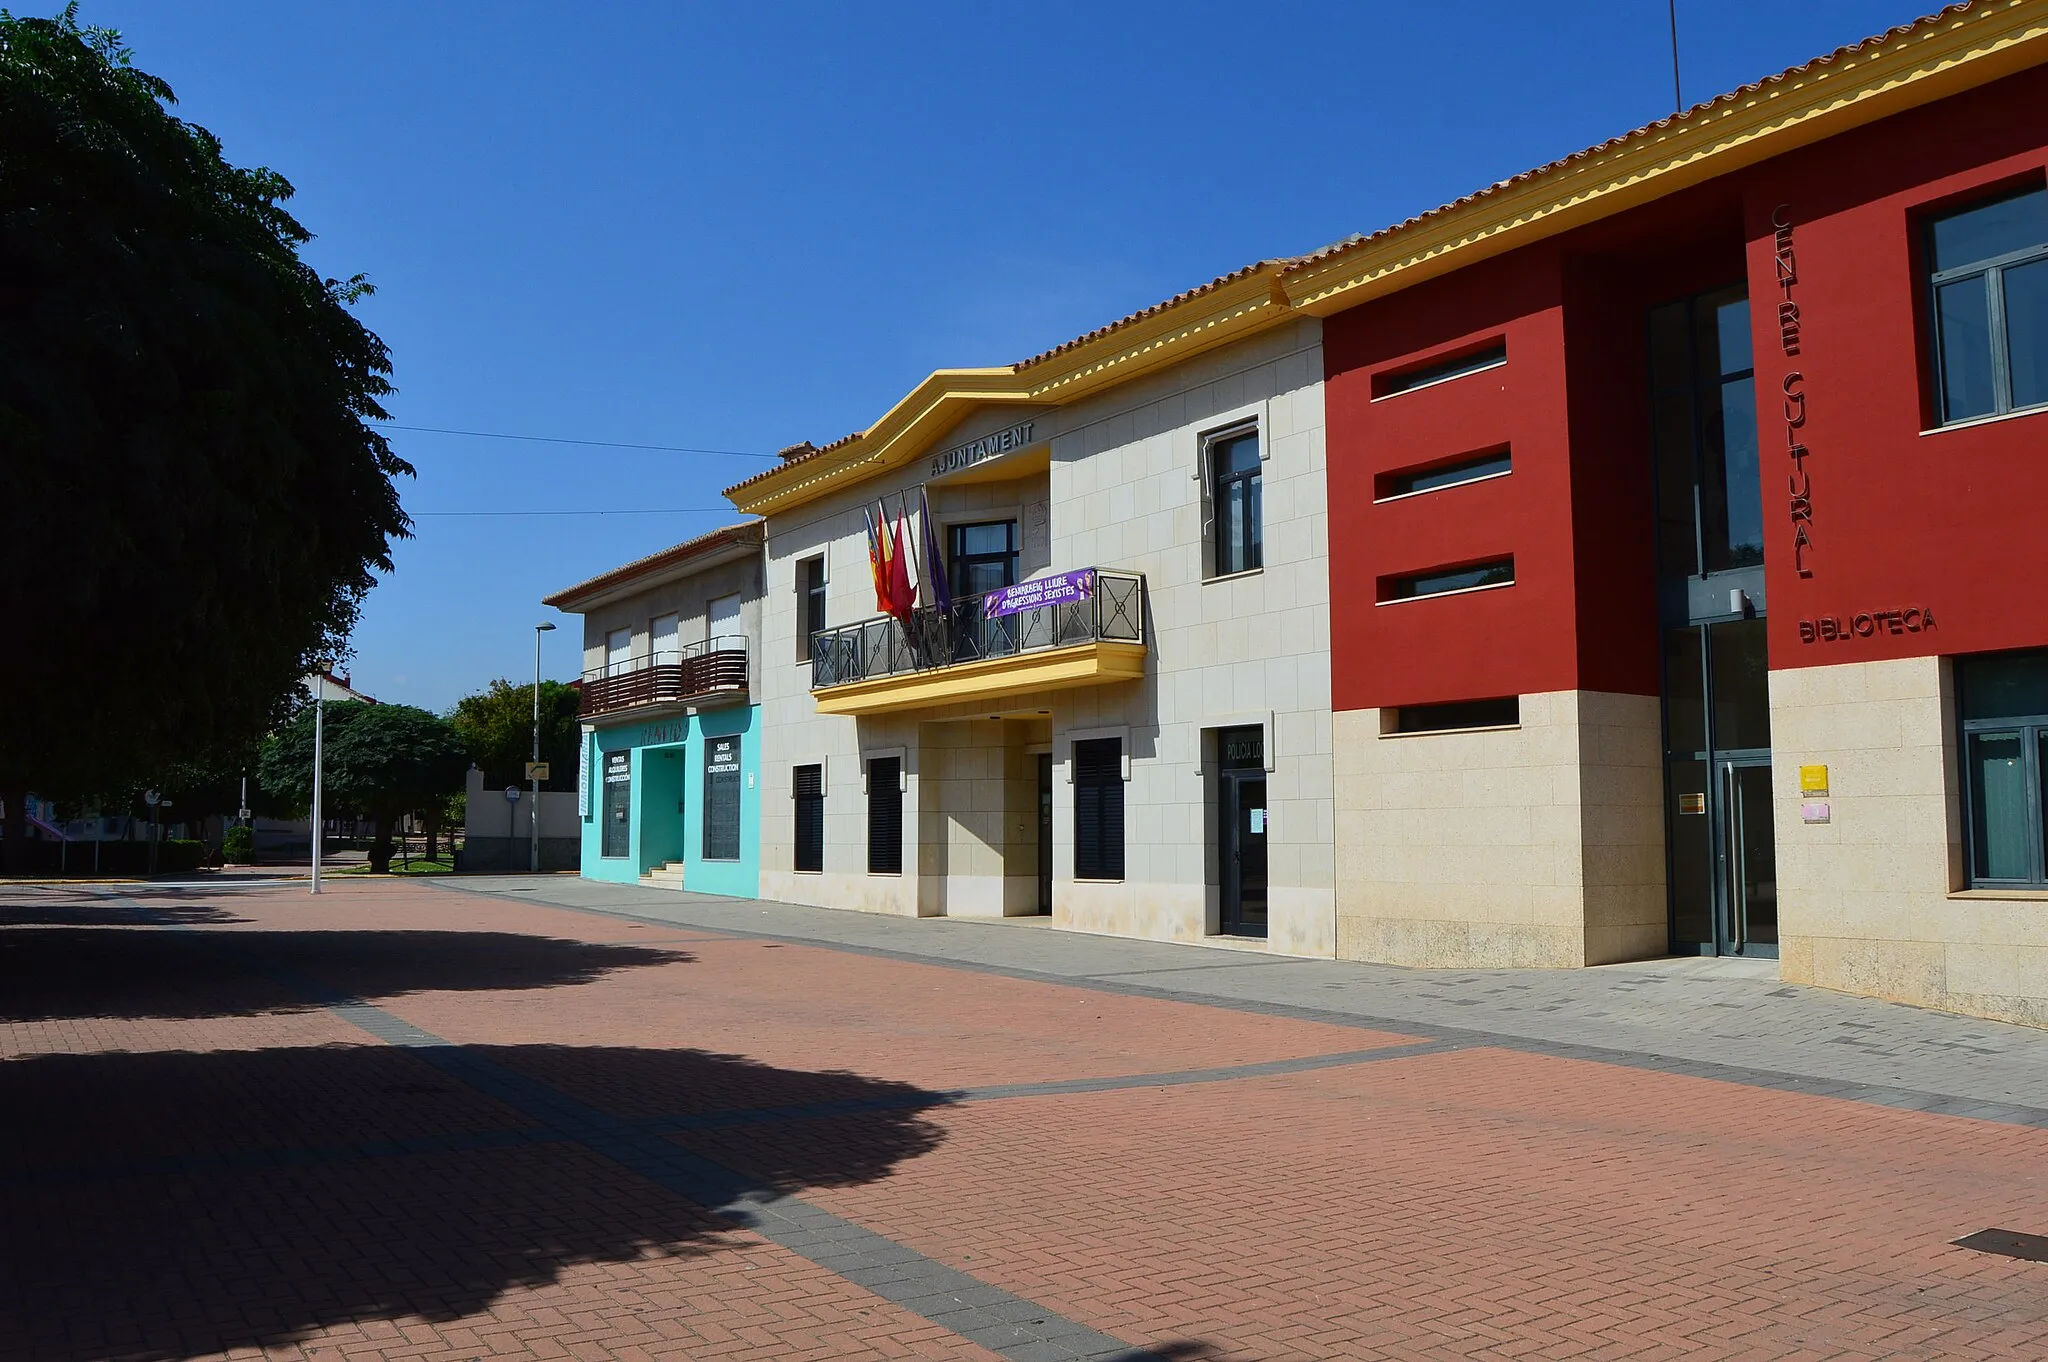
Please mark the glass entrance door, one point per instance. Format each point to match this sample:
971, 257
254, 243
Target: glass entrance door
1243, 850
1717, 777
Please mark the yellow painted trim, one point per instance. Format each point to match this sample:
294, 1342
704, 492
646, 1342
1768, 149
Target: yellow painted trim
1085, 664
1825, 100
916, 423
1827, 97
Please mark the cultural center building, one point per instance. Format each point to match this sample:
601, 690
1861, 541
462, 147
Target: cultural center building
1686, 564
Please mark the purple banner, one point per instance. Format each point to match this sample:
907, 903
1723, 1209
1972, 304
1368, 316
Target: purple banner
1063, 589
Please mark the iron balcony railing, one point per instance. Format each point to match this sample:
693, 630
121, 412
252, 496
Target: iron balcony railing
693, 672
1114, 611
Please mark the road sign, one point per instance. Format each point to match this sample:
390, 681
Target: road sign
512, 793
536, 770
152, 798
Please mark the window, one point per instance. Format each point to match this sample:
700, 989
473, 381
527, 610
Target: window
1235, 494
1099, 809
665, 640
722, 799
618, 804
1989, 274
722, 622
2003, 699
1434, 477
984, 557
618, 651
1440, 371
810, 590
1457, 714
807, 787
1703, 435
885, 816
1442, 581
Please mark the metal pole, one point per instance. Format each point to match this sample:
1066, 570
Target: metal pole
533, 815
319, 734
1677, 97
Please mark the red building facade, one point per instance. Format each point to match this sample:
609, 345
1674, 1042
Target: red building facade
1684, 548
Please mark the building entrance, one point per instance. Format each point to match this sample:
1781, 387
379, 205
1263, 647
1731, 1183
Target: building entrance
1045, 832
1719, 838
1241, 829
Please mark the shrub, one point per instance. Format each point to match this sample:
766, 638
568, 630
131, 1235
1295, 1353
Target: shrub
238, 846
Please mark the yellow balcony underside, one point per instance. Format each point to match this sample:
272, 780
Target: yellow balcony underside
1086, 664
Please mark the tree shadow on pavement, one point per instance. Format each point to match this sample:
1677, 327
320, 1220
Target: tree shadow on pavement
48, 973
173, 1204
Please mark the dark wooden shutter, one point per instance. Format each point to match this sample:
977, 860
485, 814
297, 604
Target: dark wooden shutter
809, 791
1098, 810
885, 816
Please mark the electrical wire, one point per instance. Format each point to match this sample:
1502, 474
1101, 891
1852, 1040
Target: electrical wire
636, 510
560, 440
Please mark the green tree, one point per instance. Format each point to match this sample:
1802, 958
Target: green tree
379, 761
497, 725
194, 501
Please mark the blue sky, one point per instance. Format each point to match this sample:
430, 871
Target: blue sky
737, 226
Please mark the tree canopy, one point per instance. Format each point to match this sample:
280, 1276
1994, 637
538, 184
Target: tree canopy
380, 761
497, 725
195, 502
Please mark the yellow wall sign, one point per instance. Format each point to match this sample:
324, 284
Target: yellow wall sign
1813, 780
536, 770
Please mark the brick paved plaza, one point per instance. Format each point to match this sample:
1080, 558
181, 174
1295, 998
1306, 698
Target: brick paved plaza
540, 1117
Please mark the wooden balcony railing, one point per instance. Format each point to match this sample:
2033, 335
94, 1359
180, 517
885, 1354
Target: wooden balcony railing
698, 672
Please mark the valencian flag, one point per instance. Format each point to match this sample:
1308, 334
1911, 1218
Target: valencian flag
878, 563
935, 562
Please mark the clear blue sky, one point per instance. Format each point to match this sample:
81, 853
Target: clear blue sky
736, 226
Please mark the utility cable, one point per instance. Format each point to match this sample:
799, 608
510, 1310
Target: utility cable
560, 440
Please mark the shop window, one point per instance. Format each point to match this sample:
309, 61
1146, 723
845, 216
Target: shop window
1989, 276
810, 590
1407, 482
807, 787
618, 804
1450, 717
1443, 581
1236, 496
885, 816
1443, 370
1099, 809
722, 799
2003, 700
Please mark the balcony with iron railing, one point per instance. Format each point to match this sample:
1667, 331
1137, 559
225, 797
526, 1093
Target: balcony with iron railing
708, 673
940, 656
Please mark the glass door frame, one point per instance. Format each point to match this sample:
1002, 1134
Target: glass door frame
1230, 806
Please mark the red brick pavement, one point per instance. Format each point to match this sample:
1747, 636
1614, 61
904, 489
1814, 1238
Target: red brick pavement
1472, 1203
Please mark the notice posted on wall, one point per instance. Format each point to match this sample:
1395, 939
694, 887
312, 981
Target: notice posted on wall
1064, 588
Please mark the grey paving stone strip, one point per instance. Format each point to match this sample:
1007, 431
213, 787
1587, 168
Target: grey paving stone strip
1968, 1069
984, 1314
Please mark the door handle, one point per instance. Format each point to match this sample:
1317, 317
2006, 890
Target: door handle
1737, 858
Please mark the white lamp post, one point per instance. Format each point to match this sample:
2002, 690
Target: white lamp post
533, 815
319, 734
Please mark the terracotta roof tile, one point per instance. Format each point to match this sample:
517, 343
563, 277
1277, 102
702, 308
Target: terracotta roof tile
744, 532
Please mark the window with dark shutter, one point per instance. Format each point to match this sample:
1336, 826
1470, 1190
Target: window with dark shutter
885, 816
1099, 809
809, 790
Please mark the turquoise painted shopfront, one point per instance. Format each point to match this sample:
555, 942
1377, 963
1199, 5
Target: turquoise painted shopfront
685, 789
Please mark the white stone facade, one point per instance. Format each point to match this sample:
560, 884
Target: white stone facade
1115, 482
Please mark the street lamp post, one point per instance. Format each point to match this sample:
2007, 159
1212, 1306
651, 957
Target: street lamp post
533, 816
319, 735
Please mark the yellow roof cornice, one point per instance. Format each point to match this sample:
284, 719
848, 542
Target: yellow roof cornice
1964, 46
1234, 307
1961, 47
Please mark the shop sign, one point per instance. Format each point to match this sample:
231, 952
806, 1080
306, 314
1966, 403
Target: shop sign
660, 734
982, 450
1799, 485
1066, 588
1692, 803
1813, 782
618, 767
1914, 619
1816, 811
1244, 748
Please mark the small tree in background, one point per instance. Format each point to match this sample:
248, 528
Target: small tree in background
496, 725
383, 761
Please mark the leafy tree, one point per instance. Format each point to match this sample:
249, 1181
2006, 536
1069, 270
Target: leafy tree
497, 725
381, 761
195, 503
